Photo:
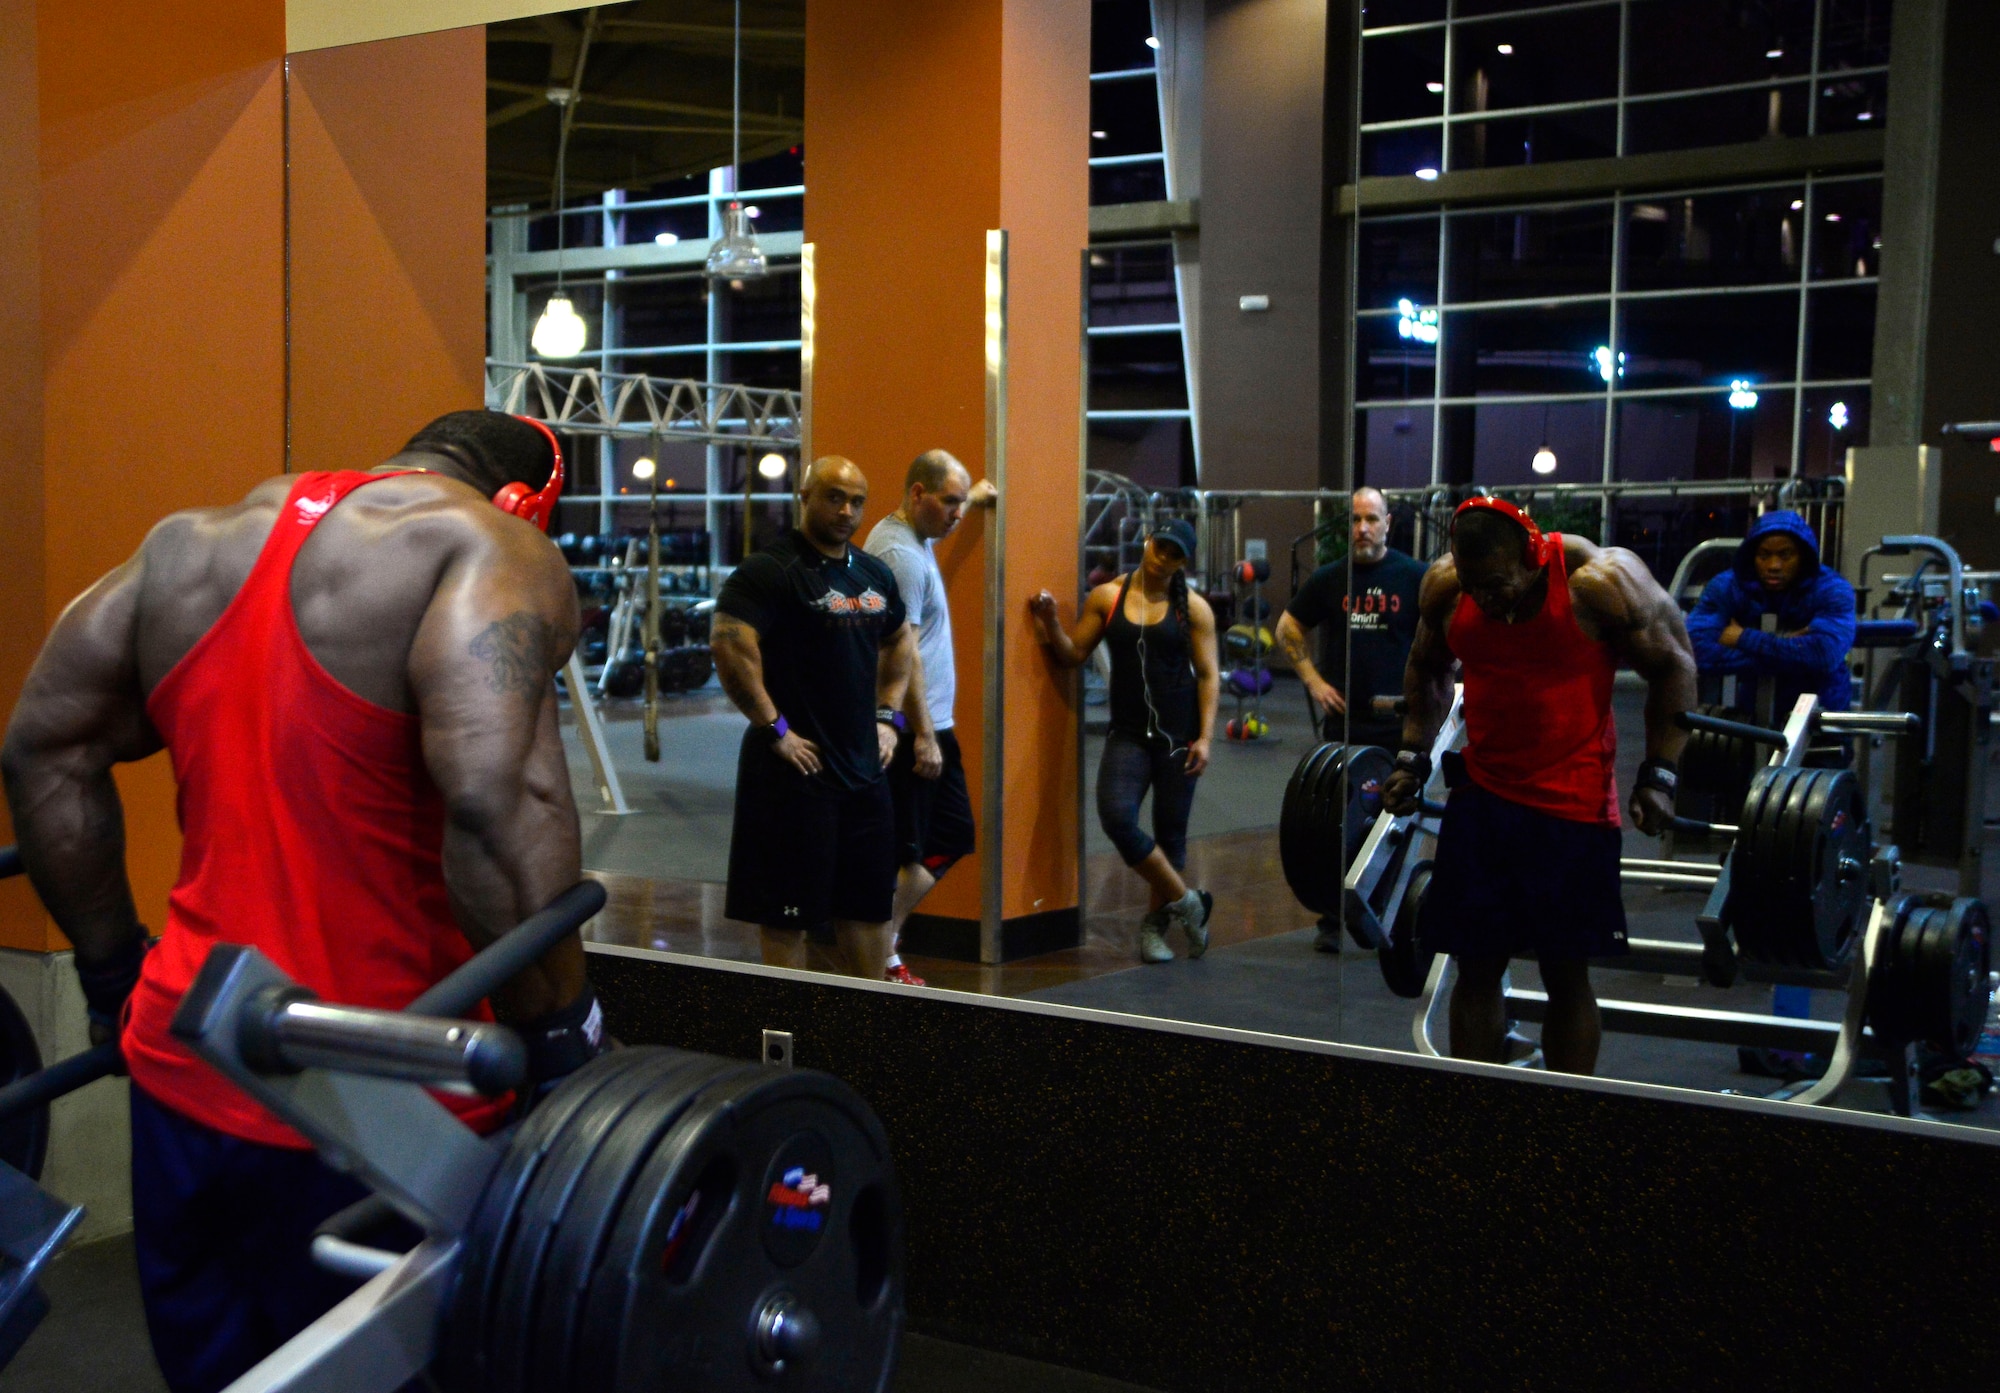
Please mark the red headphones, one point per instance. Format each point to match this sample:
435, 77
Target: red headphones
1538, 545
537, 508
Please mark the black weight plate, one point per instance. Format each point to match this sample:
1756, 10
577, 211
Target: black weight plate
601, 1191
1790, 846
1813, 856
1294, 831
1751, 875
774, 1181
464, 1351
1969, 933
510, 1331
1327, 808
1368, 767
24, 1138
1888, 985
1840, 902
1934, 969
1405, 963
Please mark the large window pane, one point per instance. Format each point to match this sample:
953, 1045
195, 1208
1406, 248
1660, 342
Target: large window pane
1571, 56
1393, 447
1501, 352
1521, 255
1679, 44
1133, 285
1847, 229
1745, 237
1129, 183
1715, 118
1506, 438
1836, 421
667, 309
771, 367
1402, 151
1840, 332
1704, 437
1391, 364
1137, 372
1118, 35
1125, 117
1710, 340
1399, 261
1855, 34
1854, 103
1377, 14
1402, 76
762, 311
1544, 139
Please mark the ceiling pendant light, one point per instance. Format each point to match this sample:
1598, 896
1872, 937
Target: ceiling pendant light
735, 255
1545, 458
560, 332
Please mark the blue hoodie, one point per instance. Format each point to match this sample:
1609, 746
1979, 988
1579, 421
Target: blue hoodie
1818, 608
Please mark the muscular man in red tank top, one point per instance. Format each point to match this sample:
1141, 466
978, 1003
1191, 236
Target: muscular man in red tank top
353, 675
1528, 851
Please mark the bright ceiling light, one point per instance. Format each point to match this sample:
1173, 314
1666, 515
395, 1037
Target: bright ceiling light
1864, 116
772, 466
1152, 42
1833, 217
735, 255
1740, 396
1427, 173
642, 468
1836, 415
1774, 53
1545, 460
1434, 87
1506, 50
667, 239
1099, 135
753, 212
1797, 204
560, 332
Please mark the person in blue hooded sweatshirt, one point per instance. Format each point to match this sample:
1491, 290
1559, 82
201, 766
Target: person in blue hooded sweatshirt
1778, 571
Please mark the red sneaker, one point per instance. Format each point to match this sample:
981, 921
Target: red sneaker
901, 973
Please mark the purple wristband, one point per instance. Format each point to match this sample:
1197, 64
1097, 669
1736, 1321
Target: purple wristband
775, 731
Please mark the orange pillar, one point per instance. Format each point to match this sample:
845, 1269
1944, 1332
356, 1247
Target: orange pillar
926, 126
144, 365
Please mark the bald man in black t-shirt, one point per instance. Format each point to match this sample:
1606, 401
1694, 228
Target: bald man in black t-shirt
811, 644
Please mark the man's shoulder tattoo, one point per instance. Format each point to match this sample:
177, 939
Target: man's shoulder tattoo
518, 651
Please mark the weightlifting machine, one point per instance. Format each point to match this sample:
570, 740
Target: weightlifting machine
1805, 897
660, 1219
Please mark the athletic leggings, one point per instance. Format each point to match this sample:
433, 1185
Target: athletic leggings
1130, 766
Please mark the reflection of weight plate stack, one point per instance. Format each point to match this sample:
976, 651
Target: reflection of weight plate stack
1931, 979
681, 670
1329, 805
1715, 774
1799, 874
1405, 962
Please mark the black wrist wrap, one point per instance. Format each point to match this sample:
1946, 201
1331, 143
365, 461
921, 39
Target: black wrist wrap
1662, 774
105, 988
1414, 761
564, 1040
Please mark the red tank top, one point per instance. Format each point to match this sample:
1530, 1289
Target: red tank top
311, 830
1538, 706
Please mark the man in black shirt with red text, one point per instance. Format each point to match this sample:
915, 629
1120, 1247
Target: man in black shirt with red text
810, 643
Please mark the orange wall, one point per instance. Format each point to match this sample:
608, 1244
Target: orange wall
145, 291
925, 126
388, 229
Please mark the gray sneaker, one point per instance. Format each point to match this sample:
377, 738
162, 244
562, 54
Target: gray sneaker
1191, 913
1152, 938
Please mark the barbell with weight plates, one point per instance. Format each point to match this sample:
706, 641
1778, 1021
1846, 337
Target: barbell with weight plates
1405, 962
1799, 871
1716, 769
1330, 803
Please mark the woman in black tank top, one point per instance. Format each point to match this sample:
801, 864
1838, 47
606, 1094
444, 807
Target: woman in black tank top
1164, 684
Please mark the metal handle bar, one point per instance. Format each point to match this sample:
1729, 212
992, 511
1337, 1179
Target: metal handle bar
1871, 722
25, 1095
1689, 827
1742, 730
506, 957
285, 1031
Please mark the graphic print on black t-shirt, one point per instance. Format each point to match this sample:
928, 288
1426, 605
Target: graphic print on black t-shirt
1382, 612
821, 622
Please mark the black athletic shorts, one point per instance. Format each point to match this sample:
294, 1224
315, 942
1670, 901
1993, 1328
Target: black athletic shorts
933, 816
804, 852
1512, 881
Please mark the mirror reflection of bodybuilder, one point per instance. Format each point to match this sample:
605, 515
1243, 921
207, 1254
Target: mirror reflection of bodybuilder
934, 825
1378, 608
1527, 858
354, 675
811, 645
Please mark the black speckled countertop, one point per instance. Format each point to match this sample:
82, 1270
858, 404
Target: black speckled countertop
1192, 1210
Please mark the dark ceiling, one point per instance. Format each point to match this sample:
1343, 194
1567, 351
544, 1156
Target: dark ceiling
652, 79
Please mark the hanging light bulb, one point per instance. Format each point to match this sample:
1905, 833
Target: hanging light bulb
772, 466
560, 332
735, 255
1545, 460
642, 468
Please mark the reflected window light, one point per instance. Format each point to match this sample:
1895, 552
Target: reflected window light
1427, 173
1836, 415
667, 239
1420, 324
1602, 361
1740, 396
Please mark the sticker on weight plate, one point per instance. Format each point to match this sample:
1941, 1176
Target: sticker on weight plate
798, 1198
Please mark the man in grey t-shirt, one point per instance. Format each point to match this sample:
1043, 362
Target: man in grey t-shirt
933, 808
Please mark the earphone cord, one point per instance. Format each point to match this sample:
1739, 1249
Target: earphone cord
1153, 730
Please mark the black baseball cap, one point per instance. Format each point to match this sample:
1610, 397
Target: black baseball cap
1179, 531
